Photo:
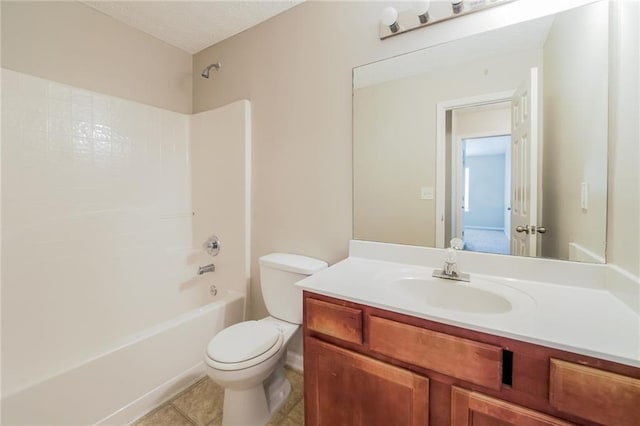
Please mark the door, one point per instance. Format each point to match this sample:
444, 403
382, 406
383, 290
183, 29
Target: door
475, 409
524, 167
344, 388
462, 188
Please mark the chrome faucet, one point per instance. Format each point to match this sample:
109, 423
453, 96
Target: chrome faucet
450, 269
208, 268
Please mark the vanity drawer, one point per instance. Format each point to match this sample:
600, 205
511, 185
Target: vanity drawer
473, 408
463, 359
341, 322
593, 394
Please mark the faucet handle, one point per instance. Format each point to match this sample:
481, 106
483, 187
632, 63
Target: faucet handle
456, 243
451, 255
212, 245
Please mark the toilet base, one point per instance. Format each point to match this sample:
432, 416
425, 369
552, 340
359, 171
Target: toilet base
245, 408
255, 406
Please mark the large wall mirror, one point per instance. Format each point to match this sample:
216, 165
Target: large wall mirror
499, 139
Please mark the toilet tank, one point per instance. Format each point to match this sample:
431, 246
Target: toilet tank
278, 274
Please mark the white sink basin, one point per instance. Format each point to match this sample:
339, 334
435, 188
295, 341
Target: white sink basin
451, 295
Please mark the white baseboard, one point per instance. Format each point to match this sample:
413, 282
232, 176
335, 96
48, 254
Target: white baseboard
485, 228
295, 361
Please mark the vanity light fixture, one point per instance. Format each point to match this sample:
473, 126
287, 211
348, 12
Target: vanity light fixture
422, 9
425, 12
390, 19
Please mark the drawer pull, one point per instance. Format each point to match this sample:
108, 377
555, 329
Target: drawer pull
507, 367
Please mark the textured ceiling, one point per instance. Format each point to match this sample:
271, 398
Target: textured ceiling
192, 25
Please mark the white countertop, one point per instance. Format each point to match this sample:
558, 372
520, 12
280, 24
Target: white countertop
587, 320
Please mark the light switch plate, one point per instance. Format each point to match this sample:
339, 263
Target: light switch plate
427, 193
584, 196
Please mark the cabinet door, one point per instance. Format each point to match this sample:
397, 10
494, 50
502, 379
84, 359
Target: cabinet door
343, 388
475, 409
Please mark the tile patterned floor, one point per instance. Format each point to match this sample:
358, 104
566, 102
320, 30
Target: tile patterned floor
201, 405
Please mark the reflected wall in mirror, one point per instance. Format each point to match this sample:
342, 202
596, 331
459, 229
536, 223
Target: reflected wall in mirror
486, 136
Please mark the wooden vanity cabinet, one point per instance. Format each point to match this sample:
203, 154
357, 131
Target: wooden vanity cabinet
367, 366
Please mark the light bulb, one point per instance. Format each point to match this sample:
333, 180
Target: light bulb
421, 7
390, 19
422, 10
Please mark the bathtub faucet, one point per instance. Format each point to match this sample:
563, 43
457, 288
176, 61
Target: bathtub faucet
208, 268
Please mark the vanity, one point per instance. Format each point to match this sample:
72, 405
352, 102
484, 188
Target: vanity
385, 343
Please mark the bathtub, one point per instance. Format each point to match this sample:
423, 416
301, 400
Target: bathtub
129, 380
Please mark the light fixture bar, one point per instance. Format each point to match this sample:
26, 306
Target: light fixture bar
409, 20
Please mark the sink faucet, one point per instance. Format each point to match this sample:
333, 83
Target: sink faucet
450, 269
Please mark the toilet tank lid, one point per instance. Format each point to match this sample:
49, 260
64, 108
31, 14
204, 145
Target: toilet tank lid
293, 263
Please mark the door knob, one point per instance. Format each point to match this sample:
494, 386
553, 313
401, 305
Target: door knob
531, 229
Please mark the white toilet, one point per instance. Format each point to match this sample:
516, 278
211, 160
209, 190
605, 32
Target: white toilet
248, 358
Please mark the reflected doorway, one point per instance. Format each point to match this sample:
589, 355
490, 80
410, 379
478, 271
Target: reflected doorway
475, 136
484, 196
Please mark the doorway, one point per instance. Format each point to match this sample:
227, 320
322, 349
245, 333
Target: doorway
484, 194
474, 138
463, 119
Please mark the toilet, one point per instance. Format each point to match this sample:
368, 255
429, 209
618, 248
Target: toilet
248, 358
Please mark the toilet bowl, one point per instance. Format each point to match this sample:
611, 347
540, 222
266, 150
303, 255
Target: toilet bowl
241, 358
248, 358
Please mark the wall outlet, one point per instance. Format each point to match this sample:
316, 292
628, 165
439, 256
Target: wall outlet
427, 193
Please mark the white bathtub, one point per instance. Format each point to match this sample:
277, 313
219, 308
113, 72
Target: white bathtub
127, 381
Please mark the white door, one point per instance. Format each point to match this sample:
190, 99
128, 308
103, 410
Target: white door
524, 167
459, 165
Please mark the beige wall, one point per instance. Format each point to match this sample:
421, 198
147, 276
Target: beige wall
73, 44
623, 233
575, 91
482, 121
394, 157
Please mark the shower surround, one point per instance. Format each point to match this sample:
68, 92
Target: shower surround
103, 214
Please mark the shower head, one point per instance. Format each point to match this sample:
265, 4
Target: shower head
205, 72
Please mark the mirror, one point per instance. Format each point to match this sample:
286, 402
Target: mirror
499, 139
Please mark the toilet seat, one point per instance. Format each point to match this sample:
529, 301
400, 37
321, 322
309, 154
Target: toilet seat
244, 345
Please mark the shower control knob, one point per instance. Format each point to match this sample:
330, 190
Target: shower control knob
212, 245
